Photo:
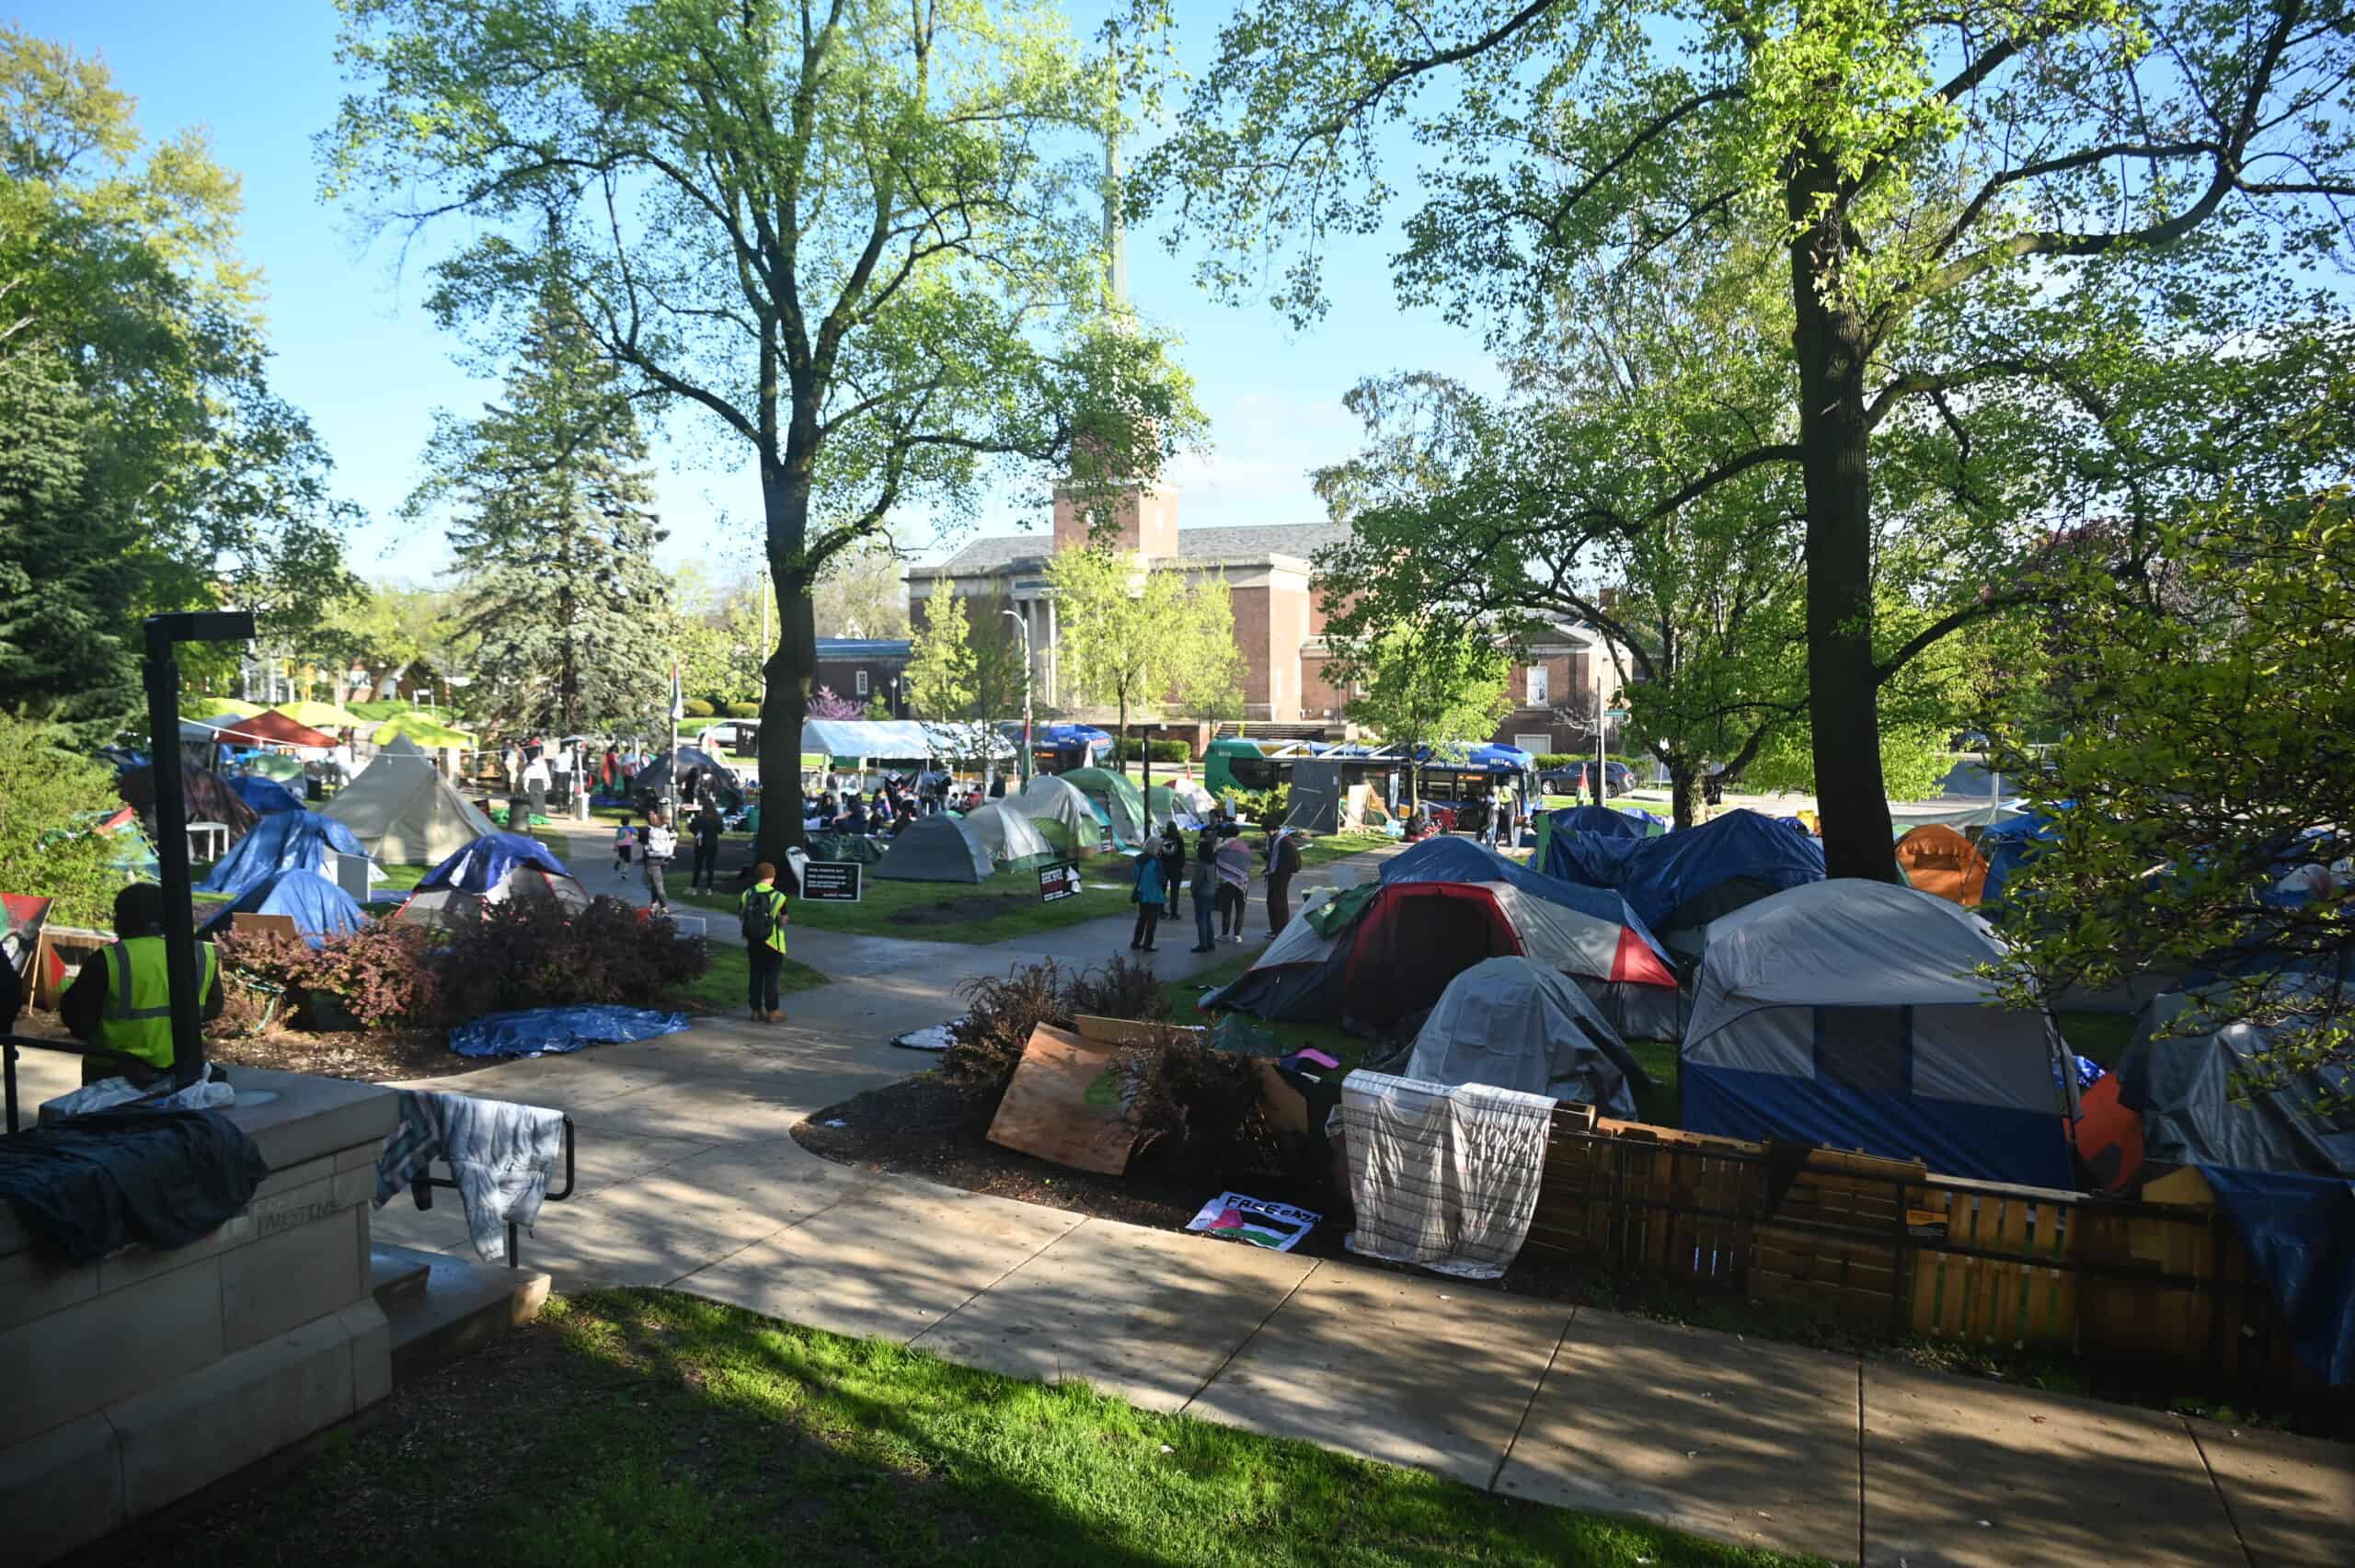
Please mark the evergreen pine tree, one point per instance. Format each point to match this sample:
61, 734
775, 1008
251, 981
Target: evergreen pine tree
555, 534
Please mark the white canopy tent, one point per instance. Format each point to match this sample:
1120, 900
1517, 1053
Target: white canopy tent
903, 741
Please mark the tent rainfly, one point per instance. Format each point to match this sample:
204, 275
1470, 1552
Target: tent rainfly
1067, 817
1514, 1025
405, 812
1851, 1014
283, 841
319, 908
490, 870
1011, 839
1118, 803
1936, 858
936, 849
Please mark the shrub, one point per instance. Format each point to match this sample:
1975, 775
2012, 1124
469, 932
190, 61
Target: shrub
743, 710
1122, 989
46, 848
1000, 1016
1198, 1109
1136, 747
1262, 808
381, 975
698, 708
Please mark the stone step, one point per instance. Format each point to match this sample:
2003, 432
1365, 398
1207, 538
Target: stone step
440, 1307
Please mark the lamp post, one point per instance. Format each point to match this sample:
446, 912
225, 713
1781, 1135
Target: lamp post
1022, 763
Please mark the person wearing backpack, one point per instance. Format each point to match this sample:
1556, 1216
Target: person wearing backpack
1150, 894
761, 911
704, 878
1284, 864
657, 844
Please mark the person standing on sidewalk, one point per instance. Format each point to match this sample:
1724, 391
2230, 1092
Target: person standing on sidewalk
761, 911
1150, 894
704, 878
1234, 882
1203, 885
657, 846
1284, 864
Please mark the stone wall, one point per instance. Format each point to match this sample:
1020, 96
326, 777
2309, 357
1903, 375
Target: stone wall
132, 1381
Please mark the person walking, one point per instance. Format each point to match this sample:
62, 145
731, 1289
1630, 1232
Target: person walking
1203, 885
762, 914
705, 876
1150, 894
1284, 864
657, 844
1234, 882
1172, 850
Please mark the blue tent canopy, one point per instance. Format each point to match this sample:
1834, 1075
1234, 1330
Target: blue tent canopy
283, 841
1608, 820
486, 863
1447, 858
2010, 845
265, 796
319, 908
1660, 876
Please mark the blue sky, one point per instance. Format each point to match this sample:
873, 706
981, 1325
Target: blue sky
356, 351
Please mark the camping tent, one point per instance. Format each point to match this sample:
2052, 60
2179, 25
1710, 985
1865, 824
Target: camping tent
936, 849
2007, 846
1009, 838
491, 869
209, 798
653, 785
1515, 1025
1682, 881
1937, 859
1635, 987
1400, 941
265, 796
1068, 819
283, 841
405, 813
1604, 822
272, 729
1849, 1014
1118, 804
1185, 802
321, 715
2179, 1072
318, 906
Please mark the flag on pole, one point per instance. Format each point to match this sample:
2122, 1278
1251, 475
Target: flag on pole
678, 697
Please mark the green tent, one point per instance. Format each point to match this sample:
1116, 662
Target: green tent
1116, 799
936, 849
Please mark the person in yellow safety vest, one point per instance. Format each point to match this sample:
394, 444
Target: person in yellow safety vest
122, 999
761, 913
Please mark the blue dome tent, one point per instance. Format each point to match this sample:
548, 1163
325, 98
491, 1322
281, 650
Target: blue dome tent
1686, 879
319, 908
265, 796
283, 841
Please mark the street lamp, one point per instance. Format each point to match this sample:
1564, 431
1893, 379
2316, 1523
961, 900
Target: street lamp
1022, 765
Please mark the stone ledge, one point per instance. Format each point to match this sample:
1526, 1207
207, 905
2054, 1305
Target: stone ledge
60, 1489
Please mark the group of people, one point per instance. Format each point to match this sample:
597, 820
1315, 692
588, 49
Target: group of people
1219, 882
654, 845
840, 807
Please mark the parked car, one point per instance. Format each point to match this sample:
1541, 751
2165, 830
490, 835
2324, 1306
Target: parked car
1571, 779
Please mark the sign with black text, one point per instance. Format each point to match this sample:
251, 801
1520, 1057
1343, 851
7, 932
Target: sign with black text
831, 881
1060, 880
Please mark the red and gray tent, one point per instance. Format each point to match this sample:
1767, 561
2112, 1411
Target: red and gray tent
1440, 908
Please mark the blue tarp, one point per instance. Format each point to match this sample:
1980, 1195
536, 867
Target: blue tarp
318, 906
265, 796
1606, 821
2300, 1231
283, 841
1448, 858
1991, 1143
486, 863
550, 1031
1659, 876
2010, 845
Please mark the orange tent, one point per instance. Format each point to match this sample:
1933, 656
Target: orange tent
1937, 859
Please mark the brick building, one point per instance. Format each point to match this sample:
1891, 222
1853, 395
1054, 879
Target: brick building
857, 669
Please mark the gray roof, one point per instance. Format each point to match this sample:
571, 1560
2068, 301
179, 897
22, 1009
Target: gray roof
1301, 540
863, 648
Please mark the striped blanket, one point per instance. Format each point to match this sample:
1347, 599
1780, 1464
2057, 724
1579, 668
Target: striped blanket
1443, 1177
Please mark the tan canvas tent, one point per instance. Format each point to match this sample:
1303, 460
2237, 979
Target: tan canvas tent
405, 812
1936, 858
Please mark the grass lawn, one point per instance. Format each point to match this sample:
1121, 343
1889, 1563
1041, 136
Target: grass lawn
641, 1429
1005, 906
721, 989
1348, 1049
1338, 846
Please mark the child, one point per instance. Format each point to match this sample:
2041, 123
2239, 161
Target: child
624, 836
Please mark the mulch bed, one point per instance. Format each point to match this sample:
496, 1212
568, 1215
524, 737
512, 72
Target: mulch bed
928, 1126
369, 1055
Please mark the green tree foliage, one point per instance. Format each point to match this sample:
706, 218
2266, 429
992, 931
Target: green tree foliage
1427, 683
718, 634
862, 243
391, 630
1132, 636
2206, 770
552, 523
942, 681
1987, 212
49, 796
860, 594
999, 676
147, 467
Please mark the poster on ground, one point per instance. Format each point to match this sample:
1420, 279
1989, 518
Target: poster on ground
1235, 1217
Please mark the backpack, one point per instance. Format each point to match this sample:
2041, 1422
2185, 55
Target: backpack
757, 912
1288, 856
661, 843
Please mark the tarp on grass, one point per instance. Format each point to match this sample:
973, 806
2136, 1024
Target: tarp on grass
551, 1030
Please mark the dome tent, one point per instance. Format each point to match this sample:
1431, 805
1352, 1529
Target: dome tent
265, 796
652, 783
405, 812
1437, 910
1682, 881
1067, 817
1850, 1014
936, 849
319, 908
1937, 859
491, 869
1116, 799
283, 841
209, 797
1011, 839
1514, 1025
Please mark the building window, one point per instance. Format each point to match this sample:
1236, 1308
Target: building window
1537, 697
859, 680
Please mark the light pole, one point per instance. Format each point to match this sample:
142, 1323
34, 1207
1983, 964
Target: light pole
1022, 764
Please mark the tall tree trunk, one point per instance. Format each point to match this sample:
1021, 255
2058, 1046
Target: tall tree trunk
794, 664
1685, 781
1830, 342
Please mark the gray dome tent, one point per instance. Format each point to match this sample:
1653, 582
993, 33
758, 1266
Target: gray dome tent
1516, 1025
1012, 838
936, 849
